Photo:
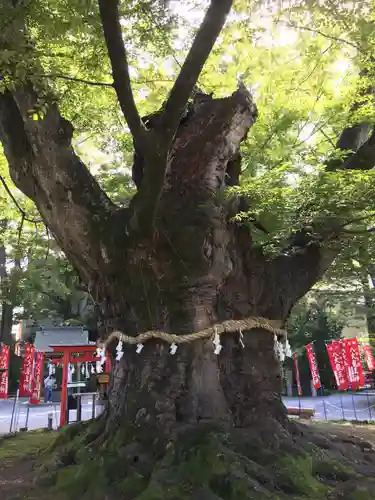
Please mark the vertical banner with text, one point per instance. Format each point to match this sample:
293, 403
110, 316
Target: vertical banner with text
298, 377
37, 378
27, 371
4, 371
336, 358
370, 362
353, 361
313, 366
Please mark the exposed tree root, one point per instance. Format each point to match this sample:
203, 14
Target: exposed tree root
210, 463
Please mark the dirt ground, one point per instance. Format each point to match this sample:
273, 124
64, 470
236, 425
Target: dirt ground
20, 456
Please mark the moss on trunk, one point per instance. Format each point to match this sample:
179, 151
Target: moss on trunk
204, 462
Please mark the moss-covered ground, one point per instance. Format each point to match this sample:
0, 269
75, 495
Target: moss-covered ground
320, 461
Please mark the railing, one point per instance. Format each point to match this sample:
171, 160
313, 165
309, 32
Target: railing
348, 406
18, 415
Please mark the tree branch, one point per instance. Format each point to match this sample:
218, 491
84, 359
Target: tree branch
308, 261
359, 231
45, 167
157, 143
19, 208
110, 18
321, 33
97, 84
355, 139
357, 219
74, 79
201, 48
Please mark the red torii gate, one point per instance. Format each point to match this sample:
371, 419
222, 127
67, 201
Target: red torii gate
67, 354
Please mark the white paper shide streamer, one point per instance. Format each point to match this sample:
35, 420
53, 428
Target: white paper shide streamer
173, 348
288, 349
217, 344
119, 351
103, 356
242, 344
279, 350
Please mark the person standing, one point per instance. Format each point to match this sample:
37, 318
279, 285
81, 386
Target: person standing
49, 383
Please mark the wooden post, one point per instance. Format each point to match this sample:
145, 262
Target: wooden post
79, 407
108, 364
93, 408
64, 388
50, 422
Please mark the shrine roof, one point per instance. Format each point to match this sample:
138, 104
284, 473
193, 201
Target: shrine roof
60, 335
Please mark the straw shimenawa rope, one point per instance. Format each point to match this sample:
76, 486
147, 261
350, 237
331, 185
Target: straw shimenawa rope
229, 326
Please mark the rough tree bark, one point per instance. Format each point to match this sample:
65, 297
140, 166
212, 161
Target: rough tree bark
9, 281
173, 260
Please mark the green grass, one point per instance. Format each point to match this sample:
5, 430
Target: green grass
24, 444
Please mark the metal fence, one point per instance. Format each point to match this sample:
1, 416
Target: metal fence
16, 414
349, 406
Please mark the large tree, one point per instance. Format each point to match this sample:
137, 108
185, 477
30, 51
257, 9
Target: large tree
176, 259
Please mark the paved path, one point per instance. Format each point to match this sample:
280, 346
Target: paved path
38, 415
360, 406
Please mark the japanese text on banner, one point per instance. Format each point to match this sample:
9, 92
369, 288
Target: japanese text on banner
313, 366
369, 357
27, 371
4, 366
336, 358
353, 361
37, 378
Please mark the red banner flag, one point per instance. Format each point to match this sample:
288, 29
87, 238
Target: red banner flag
313, 366
336, 358
4, 366
298, 378
354, 367
27, 371
369, 357
37, 378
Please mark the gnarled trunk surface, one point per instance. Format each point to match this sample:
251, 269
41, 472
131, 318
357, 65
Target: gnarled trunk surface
198, 268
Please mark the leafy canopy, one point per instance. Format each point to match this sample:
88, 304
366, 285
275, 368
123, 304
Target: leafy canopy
310, 65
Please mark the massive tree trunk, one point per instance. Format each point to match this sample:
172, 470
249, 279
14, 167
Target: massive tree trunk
175, 260
198, 268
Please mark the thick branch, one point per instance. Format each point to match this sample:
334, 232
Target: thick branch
45, 167
294, 275
110, 17
201, 48
305, 265
160, 140
362, 156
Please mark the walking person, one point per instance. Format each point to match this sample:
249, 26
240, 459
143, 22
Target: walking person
49, 383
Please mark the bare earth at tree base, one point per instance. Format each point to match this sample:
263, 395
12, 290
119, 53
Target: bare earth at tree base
316, 461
